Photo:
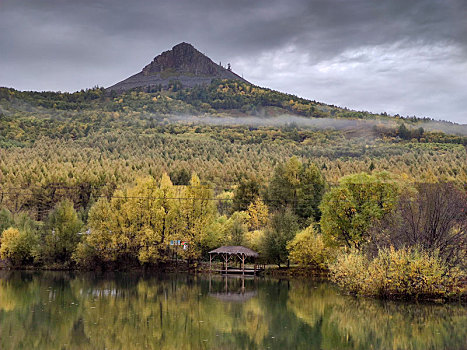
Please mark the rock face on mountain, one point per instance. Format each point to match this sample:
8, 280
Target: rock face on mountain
183, 63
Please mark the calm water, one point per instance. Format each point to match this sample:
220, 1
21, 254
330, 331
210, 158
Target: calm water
131, 311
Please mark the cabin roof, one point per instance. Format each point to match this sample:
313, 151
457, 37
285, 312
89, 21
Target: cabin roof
235, 249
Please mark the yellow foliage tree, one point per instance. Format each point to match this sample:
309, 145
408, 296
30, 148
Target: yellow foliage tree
197, 213
258, 215
308, 249
9, 241
136, 223
16, 246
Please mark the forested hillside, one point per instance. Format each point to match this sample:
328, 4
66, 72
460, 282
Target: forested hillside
97, 140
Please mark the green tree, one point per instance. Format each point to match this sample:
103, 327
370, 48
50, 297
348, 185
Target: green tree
247, 191
61, 233
282, 190
404, 132
180, 176
282, 229
236, 227
350, 209
310, 193
298, 187
214, 235
6, 219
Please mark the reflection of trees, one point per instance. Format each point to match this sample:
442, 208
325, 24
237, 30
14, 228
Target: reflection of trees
36, 310
166, 314
128, 311
353, 323
13, 294
122, 313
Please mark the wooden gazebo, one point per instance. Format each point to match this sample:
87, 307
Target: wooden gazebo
226, 252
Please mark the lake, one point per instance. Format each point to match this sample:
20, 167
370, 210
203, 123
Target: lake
56, 310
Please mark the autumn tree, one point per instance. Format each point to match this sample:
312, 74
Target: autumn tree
136, 223
258, 215
308, 249
18, 244
197, 213
10, 248
160, 221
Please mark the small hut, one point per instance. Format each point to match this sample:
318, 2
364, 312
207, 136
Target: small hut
226, 252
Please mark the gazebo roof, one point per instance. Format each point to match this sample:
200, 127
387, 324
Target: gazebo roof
235, 249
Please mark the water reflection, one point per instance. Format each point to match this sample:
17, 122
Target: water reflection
131, 311
232, 288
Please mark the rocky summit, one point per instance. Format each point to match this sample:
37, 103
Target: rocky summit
182, 64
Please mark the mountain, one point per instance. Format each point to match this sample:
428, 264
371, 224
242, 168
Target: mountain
184, 64
183, 84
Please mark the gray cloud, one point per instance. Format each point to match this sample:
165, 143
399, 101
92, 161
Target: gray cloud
405, 57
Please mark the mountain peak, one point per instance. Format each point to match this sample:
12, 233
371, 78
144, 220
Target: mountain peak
183, 58
184, 45
183, 63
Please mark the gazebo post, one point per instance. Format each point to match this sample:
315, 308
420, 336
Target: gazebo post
210, 262
243, 263
226, 262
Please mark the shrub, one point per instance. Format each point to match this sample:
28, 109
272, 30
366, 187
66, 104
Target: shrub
17, 246
397, 273
85, 255
350, 271
308, 249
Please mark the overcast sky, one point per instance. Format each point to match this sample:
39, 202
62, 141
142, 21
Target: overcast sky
399, 56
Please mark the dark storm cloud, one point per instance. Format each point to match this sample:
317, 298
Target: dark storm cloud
404, 57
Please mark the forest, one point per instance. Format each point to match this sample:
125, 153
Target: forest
99, 180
